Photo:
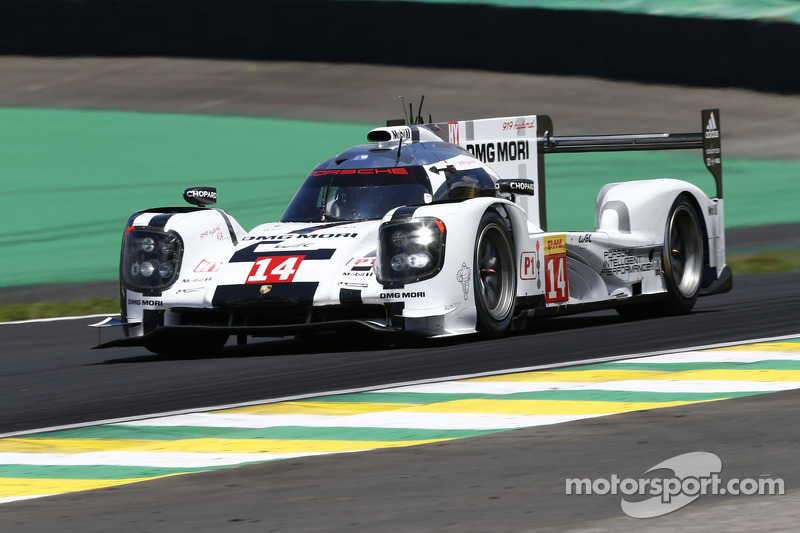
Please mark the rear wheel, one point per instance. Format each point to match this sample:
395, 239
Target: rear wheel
198, 344
682, 257
494, 275
682, 262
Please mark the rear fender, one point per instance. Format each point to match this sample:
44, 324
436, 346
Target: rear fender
639, 210
641, 207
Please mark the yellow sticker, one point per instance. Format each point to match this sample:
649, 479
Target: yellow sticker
555, 244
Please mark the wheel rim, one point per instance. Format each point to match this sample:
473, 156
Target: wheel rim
684, 251
495, 272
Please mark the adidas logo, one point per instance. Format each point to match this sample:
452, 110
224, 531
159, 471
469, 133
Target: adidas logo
712, 131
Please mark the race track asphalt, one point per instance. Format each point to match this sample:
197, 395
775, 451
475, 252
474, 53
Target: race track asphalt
53, 377
512, 481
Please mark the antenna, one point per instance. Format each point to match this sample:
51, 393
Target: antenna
408, 116
403, 105
399, 147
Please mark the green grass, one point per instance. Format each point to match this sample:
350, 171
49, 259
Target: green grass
740, 263
29, 311
763, 262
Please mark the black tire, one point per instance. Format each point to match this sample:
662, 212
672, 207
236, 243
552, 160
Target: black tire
495, 276
682, 258
187, 345
682, 262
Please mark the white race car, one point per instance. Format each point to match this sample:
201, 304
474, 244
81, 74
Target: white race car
430, 229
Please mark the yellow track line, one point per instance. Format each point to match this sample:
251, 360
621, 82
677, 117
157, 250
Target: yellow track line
219, 446
21, 487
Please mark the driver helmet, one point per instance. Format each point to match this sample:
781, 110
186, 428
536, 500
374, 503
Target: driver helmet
465, 184
346, 203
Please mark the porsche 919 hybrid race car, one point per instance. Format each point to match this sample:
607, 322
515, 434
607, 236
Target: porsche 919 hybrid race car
432, 229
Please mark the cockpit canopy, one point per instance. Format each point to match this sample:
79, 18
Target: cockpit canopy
366, 182
357, 194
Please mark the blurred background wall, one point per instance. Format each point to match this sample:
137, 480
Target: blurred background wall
741, 43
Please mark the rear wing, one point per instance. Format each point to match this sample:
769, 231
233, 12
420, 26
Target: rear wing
515, 147
708, 139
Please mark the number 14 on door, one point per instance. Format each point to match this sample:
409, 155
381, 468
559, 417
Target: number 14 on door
555, 264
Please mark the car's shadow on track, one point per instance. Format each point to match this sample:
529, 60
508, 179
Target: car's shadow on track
313, 345
337, 343
591, 320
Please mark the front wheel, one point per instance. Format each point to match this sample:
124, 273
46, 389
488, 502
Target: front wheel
495, 275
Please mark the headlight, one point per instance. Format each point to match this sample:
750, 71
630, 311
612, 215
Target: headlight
399, 238
410, 251
147, 268
166, 270
420, 260
398, 262
151, 259
169, 244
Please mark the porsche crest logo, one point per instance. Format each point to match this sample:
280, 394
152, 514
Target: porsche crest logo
265, 289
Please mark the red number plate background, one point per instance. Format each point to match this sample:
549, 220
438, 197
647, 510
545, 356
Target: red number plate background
275, 269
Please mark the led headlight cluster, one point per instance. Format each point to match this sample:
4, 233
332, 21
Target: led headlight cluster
410, 250
151, 259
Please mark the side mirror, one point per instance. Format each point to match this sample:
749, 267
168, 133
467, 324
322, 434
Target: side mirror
200, 196
517, 186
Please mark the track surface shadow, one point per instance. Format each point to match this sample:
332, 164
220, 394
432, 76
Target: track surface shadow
334, 343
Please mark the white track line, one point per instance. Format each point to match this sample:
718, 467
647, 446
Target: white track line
55, 319
383, 419
400, 384
727, 356
148, 459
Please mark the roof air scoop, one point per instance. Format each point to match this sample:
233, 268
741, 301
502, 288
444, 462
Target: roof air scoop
394, 133
421, 133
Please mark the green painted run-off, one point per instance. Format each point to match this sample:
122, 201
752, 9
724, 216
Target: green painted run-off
71, 178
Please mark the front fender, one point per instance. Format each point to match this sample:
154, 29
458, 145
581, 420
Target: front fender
450, 294
208, 238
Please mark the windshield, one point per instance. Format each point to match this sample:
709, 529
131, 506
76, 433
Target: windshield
356, 194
